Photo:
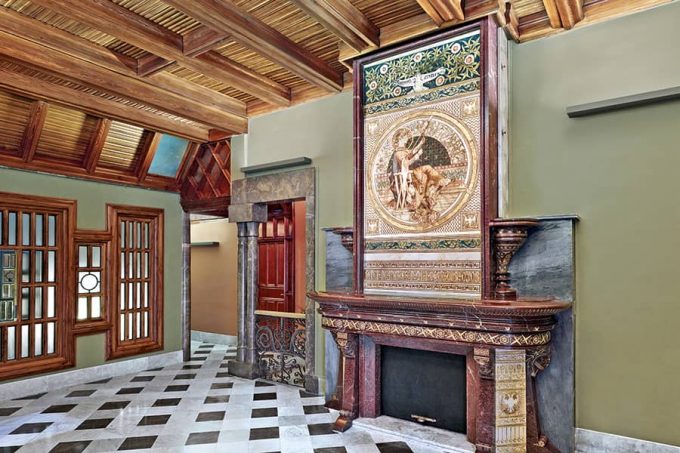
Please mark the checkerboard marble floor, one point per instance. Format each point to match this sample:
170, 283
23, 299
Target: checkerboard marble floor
194, 406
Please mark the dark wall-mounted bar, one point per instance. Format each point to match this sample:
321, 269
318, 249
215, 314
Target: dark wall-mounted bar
278, 165
636, 100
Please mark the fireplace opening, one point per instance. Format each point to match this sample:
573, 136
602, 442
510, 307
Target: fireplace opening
425, 387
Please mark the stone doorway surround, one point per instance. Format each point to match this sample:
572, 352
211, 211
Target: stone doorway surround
248, 209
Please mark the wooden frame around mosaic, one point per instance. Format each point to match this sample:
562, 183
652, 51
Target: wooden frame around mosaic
66, 245
489, 142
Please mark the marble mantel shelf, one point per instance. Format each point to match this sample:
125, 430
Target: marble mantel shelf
531, 317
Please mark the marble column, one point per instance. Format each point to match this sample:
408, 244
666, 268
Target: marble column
248, 217
186, 287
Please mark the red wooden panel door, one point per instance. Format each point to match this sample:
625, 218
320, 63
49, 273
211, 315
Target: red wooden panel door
277, 260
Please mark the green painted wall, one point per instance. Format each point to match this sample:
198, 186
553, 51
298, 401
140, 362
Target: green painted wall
618, 171
92, 199
322, 131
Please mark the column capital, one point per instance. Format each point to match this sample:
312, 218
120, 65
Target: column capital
248, 212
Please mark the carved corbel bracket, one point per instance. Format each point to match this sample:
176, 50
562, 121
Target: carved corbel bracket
347, 343
485, 365
538, 359
508, 237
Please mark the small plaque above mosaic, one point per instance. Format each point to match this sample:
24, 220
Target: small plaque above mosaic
422, 190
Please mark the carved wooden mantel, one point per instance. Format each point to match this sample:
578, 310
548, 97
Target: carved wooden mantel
506, 347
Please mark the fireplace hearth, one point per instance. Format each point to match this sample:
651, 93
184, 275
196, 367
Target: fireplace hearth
424, 387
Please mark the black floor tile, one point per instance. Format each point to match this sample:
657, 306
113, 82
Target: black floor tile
101, 381
265, 412
95, 423
31, 397
154, 420
222, 375
142, 378
156, 369
29, 428
263, 384
201, 352
222, 385
137, 443
80, 393
331, 450
394, 447
167, 402
264, 433
185, 376
59, 409
129, 390
197, 358
208, 437
191, 367
210, 416
7, 411
71, 447
216, 399
309, 410
224, 365
111, 405
11, 449
264, 396
320, 429
176, 388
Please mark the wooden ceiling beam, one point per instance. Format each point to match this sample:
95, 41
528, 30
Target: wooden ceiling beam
151, 64
96, 145
117, 21
571, 12
89, 74
201, 40
507, 19
553, 13
442, 11
34, 126
98, 106
226, 17
54, 38
421, 24
344, 20
147, 154
189, 157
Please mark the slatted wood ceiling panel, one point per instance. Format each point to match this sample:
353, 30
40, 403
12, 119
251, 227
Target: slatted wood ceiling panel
122, 146
65, 134
14, 111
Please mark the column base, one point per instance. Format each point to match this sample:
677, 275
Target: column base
243, 369
312, 384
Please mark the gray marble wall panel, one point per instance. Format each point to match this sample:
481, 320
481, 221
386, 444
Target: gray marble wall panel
339, 264
544, 266
339, 278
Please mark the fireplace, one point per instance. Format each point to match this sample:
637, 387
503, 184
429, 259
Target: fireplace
424, 386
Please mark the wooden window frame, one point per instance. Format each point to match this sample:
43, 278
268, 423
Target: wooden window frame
64, 355
103, 240
115, 347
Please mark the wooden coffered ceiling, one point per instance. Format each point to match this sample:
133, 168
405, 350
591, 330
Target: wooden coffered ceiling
197, 69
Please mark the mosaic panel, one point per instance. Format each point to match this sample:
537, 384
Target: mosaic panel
422, 208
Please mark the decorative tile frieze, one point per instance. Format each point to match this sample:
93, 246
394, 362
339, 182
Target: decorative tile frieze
511, 416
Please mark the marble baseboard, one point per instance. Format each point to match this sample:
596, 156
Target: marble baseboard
214, 338
31, 386
588, 441
432, 437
